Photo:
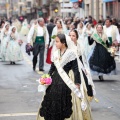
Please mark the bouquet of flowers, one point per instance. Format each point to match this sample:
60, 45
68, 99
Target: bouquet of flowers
112, 50
44, 81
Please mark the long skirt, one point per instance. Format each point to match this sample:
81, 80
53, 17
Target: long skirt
48, 59
3, 48
0, 49
24, 30
13, 52
101, 61
59, 103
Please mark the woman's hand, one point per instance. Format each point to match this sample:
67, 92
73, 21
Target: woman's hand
47, 46
78, 85
115, 43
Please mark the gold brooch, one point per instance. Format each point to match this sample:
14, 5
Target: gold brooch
60, 58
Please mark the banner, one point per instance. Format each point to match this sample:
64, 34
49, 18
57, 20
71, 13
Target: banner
108, 0
73, 1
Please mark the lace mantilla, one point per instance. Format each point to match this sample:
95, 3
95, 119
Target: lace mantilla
68, 56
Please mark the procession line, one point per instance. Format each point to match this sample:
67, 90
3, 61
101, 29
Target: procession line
18, 114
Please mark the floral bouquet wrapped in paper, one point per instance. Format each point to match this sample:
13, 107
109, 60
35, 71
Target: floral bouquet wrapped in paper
112, 50
44, 81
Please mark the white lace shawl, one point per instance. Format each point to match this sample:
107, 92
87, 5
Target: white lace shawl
81, 30
67, 57
55, 32
3, 30
16, 36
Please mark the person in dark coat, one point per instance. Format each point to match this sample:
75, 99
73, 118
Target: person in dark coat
50, 27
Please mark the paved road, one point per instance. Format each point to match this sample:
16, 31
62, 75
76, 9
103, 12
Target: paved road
19, 99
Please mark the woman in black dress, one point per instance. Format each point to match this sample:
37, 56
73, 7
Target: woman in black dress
101, 62
59, 102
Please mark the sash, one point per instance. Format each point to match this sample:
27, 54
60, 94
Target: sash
110, 40
69, 82
99, 40
39, 39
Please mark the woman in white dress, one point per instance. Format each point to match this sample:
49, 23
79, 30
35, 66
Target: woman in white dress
80, 29
13, 52
1, 27
4, 40
59, 28
88, 31
25, 28
17, 24
81, 33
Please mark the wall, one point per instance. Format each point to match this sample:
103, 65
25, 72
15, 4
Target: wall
112, 9
94, 8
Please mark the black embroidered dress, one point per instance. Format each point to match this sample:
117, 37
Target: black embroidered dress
57, 103
101, 62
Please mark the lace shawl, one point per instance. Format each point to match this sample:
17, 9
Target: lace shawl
68, 56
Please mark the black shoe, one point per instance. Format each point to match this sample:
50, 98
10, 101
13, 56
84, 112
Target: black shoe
33, 68
41, 70
101, 78
13, 63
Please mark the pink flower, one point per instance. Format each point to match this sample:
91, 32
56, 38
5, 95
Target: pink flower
48, 81
42, 81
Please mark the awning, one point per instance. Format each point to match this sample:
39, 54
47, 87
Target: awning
73, 1
108, 0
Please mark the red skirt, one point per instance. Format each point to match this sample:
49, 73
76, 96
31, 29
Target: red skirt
48, 59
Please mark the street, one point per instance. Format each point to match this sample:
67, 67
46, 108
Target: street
20, 100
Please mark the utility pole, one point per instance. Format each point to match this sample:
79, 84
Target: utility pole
63, 8
92, 8
8, 9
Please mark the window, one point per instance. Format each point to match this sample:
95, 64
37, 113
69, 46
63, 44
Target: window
28, 4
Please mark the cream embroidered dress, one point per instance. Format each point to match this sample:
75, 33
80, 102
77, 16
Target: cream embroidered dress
24, 28
13, 52
0, 44
4, 42
88, 49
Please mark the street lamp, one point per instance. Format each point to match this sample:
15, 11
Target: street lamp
7, 8
56, 10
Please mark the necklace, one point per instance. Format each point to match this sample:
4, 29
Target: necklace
62, 54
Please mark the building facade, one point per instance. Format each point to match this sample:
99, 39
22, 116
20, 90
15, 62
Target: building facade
102, 8
112, 8
94, 8
2, 8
